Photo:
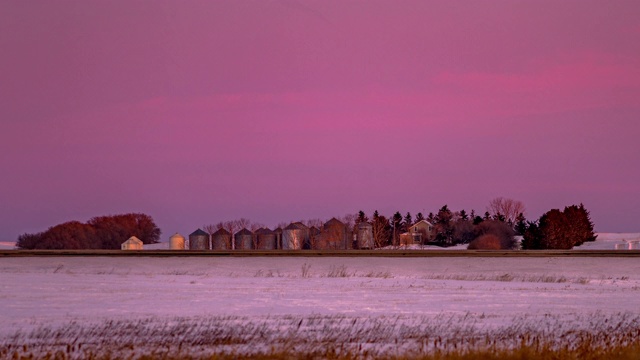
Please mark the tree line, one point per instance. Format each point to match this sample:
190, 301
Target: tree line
102, 232
495, 229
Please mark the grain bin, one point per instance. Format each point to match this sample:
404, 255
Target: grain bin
634, 245
295, 236
221, 240
243, 240
365, 236
314, 238
176, 242
266, 239
333, 235
199, 240
133, 243
278, 233
621, 246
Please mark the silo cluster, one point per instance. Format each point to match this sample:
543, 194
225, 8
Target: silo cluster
332, 235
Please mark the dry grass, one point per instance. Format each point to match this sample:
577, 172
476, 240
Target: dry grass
508, 277
333, 337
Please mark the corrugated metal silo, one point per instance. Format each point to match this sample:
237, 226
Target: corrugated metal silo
365, 236
314, 239
266, 239
243, 239
176, 242
278, 233
333, 236
621, 246
199, 240
295, 236
221, 240
634, 245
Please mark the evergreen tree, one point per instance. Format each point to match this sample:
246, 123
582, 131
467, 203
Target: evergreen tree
532, 238
580, 226
408, 221
419, 217
463, 215
431, 218
396, 223
444, 225
559, 229
361, 217
521, 224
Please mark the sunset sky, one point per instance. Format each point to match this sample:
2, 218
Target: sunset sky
196, 112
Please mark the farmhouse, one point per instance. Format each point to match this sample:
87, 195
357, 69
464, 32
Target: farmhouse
418, 233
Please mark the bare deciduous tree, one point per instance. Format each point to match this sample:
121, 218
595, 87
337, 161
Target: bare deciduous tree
211, 228
380, 226
242, 223
508, 208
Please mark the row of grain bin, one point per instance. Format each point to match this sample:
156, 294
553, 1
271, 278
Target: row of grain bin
333, 235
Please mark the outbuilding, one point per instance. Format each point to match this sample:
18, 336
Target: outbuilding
133, 243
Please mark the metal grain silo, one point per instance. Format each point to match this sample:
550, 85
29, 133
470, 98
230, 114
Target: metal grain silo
176, 242
278, 233
199, 240
333, 235
365, 236
244, 240
266, 239
634, 245
295, 236
221, 240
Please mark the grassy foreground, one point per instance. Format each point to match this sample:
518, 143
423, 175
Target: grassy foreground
457, 337
582, 352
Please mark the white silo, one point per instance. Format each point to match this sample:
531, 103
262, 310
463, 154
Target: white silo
176, 242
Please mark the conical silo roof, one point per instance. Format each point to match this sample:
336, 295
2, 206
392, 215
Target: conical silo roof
199, 232
244, 231
221, 231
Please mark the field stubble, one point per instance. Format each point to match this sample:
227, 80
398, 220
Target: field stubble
446, 336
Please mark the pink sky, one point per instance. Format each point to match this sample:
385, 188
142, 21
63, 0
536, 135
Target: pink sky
202, 111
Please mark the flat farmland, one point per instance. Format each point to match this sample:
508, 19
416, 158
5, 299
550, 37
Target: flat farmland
364, 306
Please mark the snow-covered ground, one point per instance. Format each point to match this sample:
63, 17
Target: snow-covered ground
402, 296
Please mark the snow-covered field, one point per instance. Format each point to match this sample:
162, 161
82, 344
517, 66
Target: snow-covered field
244, 305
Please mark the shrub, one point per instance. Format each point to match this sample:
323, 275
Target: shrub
486, 242
499, 229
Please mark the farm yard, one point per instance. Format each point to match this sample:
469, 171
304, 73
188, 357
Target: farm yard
176, 307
